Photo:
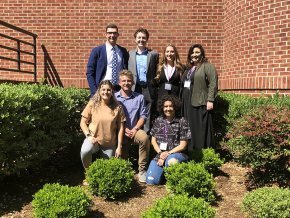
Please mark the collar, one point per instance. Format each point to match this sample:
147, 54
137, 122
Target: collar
145, 52
133, 94
175, 119
109, 46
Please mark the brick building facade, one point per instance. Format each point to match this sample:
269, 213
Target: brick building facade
247, 40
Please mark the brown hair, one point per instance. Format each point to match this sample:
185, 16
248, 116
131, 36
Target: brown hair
142, 30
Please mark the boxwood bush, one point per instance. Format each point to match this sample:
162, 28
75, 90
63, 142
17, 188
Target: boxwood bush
37, 121
261, 139
209, 158
110, 178
180, 206
190, 179
60, 201
267, 202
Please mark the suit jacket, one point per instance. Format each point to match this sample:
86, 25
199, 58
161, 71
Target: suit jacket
97, 65
152, 61
204, 85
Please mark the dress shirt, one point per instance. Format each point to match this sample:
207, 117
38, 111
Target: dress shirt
134, 107
141, 63
109, 51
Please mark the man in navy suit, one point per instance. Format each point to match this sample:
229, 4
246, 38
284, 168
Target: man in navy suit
100, 65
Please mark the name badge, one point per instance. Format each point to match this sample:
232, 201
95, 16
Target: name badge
187, 84
163, 146
167, 86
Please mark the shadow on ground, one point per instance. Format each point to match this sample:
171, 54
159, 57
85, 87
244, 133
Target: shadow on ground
17, 191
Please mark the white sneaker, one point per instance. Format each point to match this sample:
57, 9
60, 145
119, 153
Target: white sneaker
142, 176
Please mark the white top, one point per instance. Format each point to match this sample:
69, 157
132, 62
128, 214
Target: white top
109, 50
168, 70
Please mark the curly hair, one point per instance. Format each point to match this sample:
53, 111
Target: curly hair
175, 101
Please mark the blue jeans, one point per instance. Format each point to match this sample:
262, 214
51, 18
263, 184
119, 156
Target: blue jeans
155, 172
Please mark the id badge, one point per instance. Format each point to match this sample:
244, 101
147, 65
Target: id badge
167, 86
187, 84
163, 146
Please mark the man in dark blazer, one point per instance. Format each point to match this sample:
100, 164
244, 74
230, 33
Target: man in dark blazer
143, 64
99, 66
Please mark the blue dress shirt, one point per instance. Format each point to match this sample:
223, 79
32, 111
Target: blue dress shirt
134, 108
141, 64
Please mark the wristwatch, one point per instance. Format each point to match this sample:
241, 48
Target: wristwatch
88, 135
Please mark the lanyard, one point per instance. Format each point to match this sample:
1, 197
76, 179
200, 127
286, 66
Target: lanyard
190, 72
166, 130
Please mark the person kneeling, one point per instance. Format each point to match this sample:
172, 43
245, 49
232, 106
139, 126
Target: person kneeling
102, 123
170, 134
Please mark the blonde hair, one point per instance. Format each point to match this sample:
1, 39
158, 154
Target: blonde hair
97, 100
127, 73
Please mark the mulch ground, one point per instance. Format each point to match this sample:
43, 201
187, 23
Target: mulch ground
16, 194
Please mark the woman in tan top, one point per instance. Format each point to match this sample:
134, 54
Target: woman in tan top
103, 125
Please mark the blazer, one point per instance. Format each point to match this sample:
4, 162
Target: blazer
205, 85
97, 65
152, 61
175, 81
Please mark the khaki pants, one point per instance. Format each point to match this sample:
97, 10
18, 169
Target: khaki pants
141, 139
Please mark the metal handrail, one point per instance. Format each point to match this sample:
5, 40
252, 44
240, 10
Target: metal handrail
19, 51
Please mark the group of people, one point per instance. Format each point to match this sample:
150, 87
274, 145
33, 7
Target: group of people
138, 100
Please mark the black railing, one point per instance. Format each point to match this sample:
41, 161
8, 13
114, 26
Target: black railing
19, 51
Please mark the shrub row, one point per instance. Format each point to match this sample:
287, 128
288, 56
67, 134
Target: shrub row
113, 178
36, 121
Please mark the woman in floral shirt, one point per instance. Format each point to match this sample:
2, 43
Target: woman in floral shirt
170, 134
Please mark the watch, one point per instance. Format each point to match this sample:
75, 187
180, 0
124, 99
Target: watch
88, 135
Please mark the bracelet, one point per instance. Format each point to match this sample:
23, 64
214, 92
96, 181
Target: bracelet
136, 128
88, 135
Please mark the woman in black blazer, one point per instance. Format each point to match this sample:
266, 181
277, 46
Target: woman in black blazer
169, 73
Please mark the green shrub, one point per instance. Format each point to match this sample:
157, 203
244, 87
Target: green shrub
261, 139
110, 178
267, 202
209, 158
229, 107
57, 201
190, 179
35, 122
180, 206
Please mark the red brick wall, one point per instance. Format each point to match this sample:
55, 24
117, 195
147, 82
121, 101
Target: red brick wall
70, 29
256, 46
245, 40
